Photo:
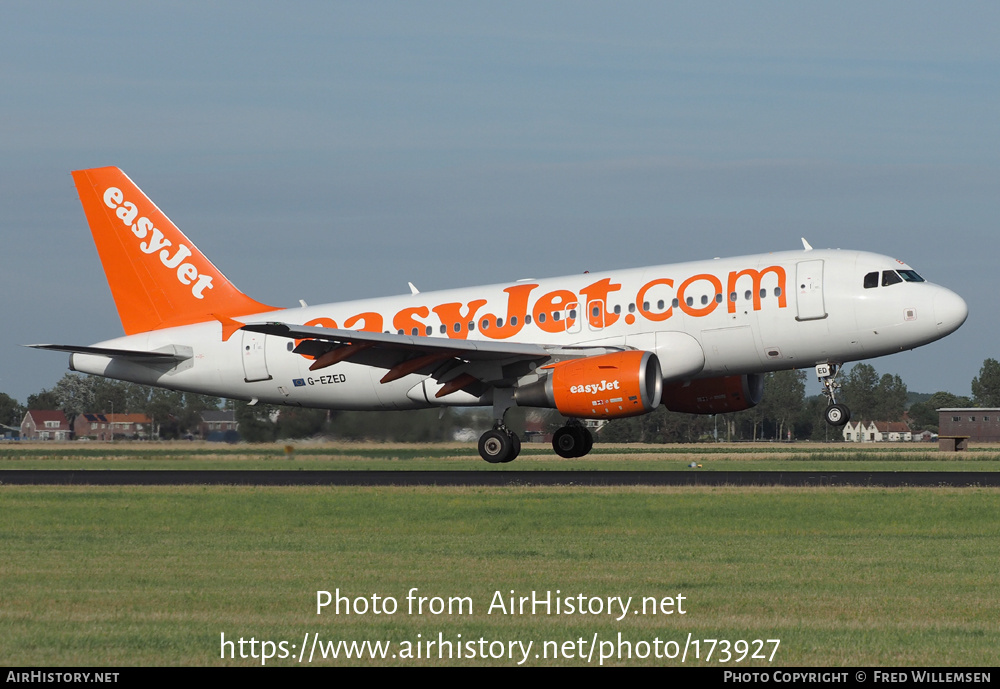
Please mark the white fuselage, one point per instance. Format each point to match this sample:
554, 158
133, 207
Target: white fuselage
702, 319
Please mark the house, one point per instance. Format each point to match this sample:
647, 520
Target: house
894, 431
113, 426
45, 425
877, 432
218, 425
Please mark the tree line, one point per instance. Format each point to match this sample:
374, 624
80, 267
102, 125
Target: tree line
785, 412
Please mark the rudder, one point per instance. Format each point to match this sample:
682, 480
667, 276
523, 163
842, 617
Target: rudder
158, 278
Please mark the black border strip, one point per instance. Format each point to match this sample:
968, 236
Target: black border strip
113, 477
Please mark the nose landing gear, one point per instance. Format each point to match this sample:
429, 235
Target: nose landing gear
835, 414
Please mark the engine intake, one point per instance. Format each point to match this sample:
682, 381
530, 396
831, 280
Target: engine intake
607, 386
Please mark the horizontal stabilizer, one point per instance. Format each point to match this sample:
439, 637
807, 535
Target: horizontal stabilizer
175, 355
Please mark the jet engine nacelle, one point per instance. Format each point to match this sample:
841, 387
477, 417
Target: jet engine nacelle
714, 395
606, 387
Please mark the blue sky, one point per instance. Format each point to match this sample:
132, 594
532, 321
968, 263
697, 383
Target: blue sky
327, 151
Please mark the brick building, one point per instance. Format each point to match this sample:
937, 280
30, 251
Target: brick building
112, 426
979, 424
218, 425
45, 425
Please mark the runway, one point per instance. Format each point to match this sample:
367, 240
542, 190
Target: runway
111, 477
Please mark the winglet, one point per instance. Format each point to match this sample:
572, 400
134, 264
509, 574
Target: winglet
158, 278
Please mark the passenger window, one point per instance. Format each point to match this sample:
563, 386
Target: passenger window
513, 321
690, 301
704, 299
889, 277
747, 295
675, 303
458, 327
541, 318
596, 311
618, 309
485, 325
660, 305
631, 308
732, 296
527, 319
718, 298
777, 291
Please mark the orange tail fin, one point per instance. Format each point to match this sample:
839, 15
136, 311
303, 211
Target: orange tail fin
158, 278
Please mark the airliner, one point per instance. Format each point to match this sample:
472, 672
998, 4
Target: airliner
695, 337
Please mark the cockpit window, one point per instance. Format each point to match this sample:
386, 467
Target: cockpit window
889, 277
871, 280
910, 276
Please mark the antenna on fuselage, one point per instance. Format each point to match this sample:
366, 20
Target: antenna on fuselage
805, 245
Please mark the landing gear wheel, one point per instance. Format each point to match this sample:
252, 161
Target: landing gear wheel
515, 448
566, 442
837, 414
496, 447
572, 441
588, 442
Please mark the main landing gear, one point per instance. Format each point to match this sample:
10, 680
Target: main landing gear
572, 440
500, 445
835, 414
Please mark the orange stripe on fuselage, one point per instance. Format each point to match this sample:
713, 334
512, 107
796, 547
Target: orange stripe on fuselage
570, 305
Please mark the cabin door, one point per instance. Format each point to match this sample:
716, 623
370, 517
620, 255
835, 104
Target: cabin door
254, 362
809, 290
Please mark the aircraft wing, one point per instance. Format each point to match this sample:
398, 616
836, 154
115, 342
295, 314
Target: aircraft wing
456, 364
467, 349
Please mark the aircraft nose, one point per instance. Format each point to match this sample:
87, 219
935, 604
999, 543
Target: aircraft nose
950, 311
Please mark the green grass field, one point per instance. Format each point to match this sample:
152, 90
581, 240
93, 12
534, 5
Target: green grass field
464, 456
155, 575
